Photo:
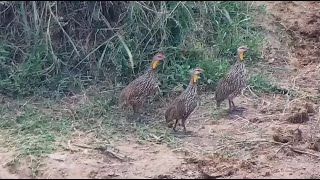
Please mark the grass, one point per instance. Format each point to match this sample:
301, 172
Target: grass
32, 132
158, 133
83, 44
33, 129
260, 84
219, 114
86, 47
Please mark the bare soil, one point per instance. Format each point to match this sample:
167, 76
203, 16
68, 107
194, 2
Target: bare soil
260, 143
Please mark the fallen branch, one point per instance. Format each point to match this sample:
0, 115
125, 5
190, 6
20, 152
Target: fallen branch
105, 150
302, 152
295, 150
119, 156
282, 146
84, 146
70, 147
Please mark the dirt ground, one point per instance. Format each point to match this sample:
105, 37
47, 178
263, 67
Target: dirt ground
261, 143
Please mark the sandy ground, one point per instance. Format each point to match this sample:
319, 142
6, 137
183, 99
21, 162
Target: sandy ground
252, 145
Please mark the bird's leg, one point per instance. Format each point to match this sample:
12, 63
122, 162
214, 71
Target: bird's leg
125, 108
184, 126
127, 114
234, 107
135, 109
175, 125
136, 112
237, 108
231, 105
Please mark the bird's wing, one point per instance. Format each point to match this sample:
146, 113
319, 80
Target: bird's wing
226, 86
138, 82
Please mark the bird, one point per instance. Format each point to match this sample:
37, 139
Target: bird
234, 82
137, 91
182, 106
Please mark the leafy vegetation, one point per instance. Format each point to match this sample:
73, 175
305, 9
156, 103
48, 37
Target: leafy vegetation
54, 48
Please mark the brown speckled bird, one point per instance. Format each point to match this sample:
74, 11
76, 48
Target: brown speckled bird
136, 92
185, 104
233, 83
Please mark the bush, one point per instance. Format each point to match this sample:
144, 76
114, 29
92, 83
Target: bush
64, 46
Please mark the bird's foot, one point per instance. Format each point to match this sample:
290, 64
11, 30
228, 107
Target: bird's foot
236, 112
141, 119
147, 114
174, 130
239, 108
136, 117
188, 132
130, 117
183, 134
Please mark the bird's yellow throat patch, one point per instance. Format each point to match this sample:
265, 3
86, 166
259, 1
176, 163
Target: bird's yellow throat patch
195, 78
155, 64
241, 56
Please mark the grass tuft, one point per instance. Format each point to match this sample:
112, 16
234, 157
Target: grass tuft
261, 84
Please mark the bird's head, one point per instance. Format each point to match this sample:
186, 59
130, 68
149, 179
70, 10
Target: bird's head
156, 59
241, 50
196, 74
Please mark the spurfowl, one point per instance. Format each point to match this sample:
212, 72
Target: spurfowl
233, 83
136, 92
185, 104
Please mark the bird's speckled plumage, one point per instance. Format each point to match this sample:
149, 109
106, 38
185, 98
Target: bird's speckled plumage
136, 92
185, 104
233, 83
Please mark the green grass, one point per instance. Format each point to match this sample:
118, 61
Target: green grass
32, 132
34, 129
46, 64
80, 51
156, 131
260, 84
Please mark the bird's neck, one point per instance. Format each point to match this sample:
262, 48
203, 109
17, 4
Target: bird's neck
194, 80
240, 57
192, 87
151, 72
154, 64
